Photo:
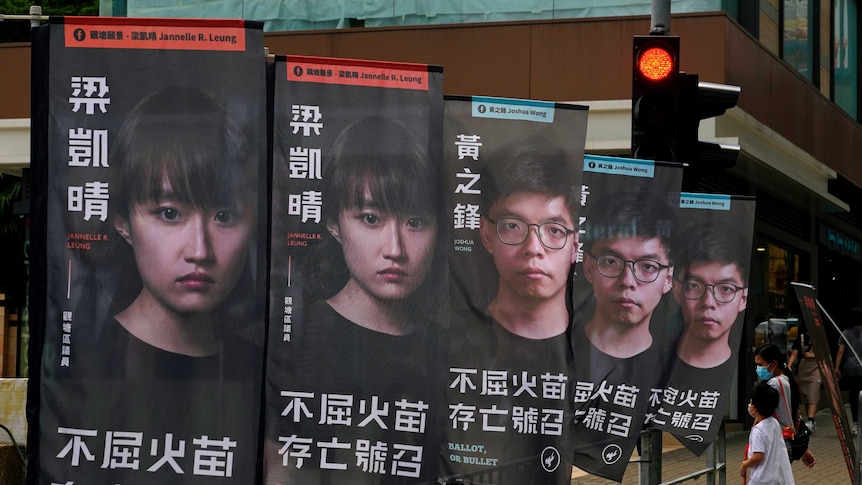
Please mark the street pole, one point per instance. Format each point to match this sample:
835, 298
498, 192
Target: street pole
660, 17
649, 468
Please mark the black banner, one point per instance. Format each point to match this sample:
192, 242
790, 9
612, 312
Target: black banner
150, 139
712, 258
620, 301
513, 183
357, 335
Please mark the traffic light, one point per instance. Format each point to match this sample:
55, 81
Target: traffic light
667, 106
656, 112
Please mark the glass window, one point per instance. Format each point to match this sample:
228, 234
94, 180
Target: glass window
773, 268
798, 47
844, 55
775, 319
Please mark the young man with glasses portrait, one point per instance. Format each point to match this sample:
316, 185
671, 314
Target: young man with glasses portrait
711, 288
628, 264
517, 347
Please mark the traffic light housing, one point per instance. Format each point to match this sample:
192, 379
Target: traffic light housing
656, 109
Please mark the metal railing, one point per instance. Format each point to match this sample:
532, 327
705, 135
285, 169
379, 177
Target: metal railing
649, 464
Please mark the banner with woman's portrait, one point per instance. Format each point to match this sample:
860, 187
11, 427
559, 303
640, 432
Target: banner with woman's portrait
358, 274
148, 146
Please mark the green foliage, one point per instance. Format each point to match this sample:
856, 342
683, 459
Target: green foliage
19, 30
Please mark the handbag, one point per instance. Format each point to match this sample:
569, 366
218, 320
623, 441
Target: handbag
796, 440
798, 445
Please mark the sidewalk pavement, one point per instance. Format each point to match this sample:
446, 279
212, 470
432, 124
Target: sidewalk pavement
677, 461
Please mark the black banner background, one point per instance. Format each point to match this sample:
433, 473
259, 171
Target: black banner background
113, 405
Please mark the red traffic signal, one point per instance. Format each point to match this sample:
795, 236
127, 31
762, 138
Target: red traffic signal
656, 110
656, 63
656, 58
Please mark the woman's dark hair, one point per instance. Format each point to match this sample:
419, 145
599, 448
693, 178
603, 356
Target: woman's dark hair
182, 136
390, 162
771, 353
185, 137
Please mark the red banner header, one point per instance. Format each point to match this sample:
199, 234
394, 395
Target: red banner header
149, 36
358, 73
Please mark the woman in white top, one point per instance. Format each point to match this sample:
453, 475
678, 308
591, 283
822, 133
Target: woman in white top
772, 368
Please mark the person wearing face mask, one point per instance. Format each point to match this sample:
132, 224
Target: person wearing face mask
772, 369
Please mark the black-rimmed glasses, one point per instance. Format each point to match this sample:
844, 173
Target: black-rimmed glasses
722, 292
644, 270
512, 231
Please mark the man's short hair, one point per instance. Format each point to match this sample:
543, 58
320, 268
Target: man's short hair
626, 214
765, 399
714, 241
533, 165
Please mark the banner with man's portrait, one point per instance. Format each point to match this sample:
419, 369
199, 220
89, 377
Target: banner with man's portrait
358, 273
148, 148
513, 185
619, 301
712, 262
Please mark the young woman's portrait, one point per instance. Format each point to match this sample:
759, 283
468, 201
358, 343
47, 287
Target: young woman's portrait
184, 209
374, 289
382, 267
170, 349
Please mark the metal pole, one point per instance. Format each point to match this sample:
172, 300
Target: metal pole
660, 17
649, 463
644, 459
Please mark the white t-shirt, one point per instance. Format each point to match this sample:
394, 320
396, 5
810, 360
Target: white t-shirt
765, 437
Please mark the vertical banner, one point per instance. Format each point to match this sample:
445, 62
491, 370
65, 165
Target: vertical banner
151, 137
513, 184
358, 273
620, 301
810, 307
712, 259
